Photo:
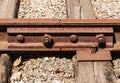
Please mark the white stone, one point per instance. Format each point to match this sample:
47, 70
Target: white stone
46, 58
21, 81
16, 76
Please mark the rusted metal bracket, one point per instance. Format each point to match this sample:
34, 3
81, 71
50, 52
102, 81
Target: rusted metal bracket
91, 39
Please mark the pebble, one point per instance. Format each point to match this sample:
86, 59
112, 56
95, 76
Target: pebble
21, 81
16, 76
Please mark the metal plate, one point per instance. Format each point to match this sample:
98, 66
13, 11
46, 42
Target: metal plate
63, 33
87, 56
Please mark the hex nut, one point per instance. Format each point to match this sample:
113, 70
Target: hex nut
101, 40
48, 41
101, 43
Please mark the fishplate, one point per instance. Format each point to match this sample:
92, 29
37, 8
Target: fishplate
91, 39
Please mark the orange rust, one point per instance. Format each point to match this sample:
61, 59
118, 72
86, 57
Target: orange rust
61, 22
86, 31
59, 30
87, 56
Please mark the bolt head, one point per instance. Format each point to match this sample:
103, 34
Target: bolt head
48, 41
20, 38
73, 38
101, 40
101, 43
94, 49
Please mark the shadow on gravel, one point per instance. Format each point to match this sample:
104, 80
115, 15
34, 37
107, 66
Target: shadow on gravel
34, 55
115, 55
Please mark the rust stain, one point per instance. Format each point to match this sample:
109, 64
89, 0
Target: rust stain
61, 35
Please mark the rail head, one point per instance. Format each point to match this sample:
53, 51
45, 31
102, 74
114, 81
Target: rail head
59, 22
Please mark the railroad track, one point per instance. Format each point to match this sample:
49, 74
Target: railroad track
18, 35
96, 39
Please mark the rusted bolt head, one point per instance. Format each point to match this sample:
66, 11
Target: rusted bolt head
20, 38
73, 38
47, 41
101, 42
94, 49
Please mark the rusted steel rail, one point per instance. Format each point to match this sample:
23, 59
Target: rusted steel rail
91, 39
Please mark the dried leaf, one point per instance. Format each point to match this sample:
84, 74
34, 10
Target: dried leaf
16, 69
17, 62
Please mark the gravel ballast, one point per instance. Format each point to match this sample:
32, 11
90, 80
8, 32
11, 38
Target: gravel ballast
42, 9
44, 68
106, 9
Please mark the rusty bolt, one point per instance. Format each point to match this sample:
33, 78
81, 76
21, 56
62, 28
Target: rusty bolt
47, 41
101, 41
73, 38
94, 49
20, 38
